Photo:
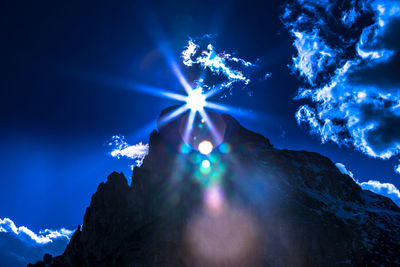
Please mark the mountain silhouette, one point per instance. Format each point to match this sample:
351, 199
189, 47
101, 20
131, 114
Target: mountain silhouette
249, 204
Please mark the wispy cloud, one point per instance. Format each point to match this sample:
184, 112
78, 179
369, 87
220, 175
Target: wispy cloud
122, 149
397, 169
348, 53
202, 53
386, 189
20, 245
344, 170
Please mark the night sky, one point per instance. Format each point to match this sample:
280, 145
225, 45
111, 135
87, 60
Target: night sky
60, 101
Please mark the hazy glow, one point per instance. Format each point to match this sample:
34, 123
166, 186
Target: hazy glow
229, 238
205, 147
196, 100
213, 199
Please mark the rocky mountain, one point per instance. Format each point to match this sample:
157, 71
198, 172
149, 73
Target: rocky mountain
245, 204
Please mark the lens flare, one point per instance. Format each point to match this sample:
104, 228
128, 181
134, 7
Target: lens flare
185, 148
205, 147
205, 164
224, 148
197, 98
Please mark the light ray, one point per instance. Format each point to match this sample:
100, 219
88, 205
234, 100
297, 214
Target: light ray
175, 67
216, 90
217, 106
159, 37
210, 125
232, 110
151, 90
140, 87
174, 96
189, 126
173, 115
142, 133
179, 75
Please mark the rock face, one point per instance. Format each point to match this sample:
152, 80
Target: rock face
255, 206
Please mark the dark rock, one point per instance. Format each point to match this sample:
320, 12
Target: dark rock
47, 259
274, 208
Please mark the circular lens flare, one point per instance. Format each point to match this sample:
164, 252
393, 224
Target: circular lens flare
196, 100
205, 147
206, 164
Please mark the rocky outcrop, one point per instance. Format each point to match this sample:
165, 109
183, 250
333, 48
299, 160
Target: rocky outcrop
255, 206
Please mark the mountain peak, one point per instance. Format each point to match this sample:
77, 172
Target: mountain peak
245, 203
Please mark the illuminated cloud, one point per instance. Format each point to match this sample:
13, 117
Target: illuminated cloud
385, 189
348, 54
343, 170
188, 53
20, 246
224, 64
122, 149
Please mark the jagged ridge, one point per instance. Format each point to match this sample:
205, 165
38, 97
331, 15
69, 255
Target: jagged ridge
307, 213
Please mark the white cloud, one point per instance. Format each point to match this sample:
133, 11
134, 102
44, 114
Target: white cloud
204, 55
122, 149
350, 73
386, 189
20, 245
188, 53
343, 170
397, 169
136, 151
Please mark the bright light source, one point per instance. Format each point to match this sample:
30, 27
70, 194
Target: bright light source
205, 147
196, 100
205, 164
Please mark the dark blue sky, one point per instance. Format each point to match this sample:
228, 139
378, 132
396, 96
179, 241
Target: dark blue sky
57, 113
